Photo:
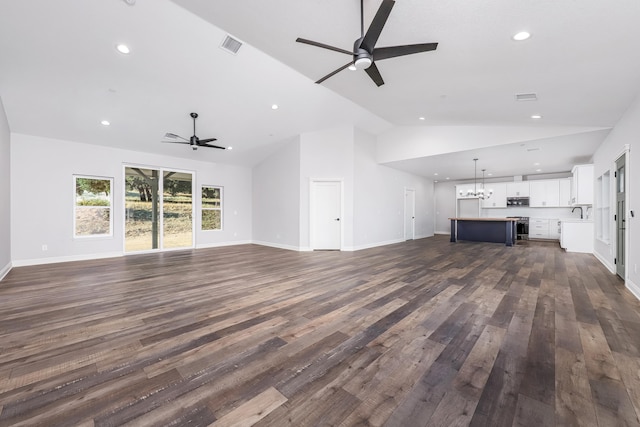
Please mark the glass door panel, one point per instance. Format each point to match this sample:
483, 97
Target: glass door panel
141, 209
177, 210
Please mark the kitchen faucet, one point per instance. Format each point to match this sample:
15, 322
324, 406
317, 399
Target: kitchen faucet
577, 207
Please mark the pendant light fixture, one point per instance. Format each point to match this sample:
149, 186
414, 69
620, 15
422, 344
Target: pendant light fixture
477, 192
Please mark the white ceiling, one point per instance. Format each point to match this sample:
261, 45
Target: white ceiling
60, 74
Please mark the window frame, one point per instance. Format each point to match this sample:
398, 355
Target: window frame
203, 208
75, 207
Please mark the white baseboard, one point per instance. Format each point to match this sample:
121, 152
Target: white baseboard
633, 288
276, 245
605, 262
54, 260
5, 270
222, 244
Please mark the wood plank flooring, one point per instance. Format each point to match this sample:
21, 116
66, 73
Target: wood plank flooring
423, 333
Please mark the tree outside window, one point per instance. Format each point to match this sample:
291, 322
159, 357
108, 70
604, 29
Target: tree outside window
92, 206
211, 208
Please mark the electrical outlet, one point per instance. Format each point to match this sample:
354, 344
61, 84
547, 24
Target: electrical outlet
45, 248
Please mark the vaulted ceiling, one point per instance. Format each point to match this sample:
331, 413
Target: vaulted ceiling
60, 75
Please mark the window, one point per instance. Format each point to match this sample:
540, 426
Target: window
92, 206
211, 208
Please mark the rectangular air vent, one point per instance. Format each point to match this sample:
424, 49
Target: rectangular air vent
231, 45
526, 97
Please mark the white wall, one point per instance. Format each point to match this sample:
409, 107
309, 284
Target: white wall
379, 198
42, 194
5, 193
626, 131
329, 155
276, 198
407, 142
445, 201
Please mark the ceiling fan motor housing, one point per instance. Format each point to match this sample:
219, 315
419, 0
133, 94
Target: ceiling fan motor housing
361, 58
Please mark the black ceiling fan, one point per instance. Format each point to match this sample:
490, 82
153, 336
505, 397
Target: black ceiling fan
365, 52
194, 141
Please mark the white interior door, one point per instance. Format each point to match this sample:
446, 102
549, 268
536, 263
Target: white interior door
409, 214
326, 215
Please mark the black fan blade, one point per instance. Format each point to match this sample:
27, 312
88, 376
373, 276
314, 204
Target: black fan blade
334, 72
374, 73
322, 45
204, 141
371, 38
409, 49
212, 146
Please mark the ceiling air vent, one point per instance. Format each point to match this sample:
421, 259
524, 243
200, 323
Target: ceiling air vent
231, 45
526, 97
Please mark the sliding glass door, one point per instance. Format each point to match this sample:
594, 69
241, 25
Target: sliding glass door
158, 212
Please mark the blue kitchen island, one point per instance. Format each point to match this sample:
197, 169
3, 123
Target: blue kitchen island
492, 230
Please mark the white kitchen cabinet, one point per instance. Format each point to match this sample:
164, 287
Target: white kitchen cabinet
544, 193
577, 236
565, 192
518, 189
555, 228
538, 228
499, 197
582, 185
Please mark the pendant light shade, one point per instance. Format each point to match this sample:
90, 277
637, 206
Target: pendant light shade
480, 193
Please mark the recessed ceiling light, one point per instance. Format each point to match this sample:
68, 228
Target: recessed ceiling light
536, 116
435, 174
522, 35
105, 123
538, 170
447, 178
123, 48
420, 118
489, 174
435, 180
536, 164
229, 148
274, 107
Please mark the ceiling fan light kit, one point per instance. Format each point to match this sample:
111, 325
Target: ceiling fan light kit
364, 51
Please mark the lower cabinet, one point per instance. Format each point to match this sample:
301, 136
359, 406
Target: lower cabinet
544, 228
538, 228
577, 236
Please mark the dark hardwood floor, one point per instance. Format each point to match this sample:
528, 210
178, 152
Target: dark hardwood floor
423, 333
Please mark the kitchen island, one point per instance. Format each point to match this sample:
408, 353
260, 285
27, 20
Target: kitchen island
493, 230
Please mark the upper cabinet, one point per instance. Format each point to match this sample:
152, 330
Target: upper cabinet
582, 185
565, 192
518, 189
544, 193
499, 197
